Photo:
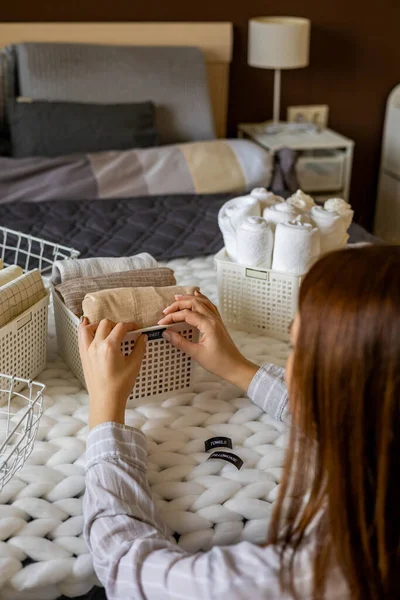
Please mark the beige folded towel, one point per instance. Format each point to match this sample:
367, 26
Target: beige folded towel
143, 305
9, 274
20, 294
74, 290
72, 268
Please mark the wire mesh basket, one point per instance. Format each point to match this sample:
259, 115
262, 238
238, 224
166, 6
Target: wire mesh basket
23, 341
30, 252
20, 413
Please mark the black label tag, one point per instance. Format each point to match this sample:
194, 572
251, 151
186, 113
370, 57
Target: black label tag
229, 457
218, 442
155, 335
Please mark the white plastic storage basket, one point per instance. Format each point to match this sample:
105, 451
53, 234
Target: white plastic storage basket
254, 299
23, 341
20, 414
165, 369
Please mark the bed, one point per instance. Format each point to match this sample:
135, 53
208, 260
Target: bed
42, 552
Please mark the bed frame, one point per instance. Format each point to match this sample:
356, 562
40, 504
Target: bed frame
214, 39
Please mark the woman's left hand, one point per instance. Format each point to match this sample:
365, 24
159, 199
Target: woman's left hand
110, 376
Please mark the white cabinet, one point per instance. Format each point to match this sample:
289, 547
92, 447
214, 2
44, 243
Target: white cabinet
324, 158
387, 216
387, 213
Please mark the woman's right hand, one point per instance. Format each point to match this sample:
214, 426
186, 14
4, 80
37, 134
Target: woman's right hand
216, 351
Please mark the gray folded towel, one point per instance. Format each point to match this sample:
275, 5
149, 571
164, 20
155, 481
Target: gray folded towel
73, 291
63, 270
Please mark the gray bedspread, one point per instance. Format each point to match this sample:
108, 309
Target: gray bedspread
168, 227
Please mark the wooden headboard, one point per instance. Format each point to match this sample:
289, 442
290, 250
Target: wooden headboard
214, 39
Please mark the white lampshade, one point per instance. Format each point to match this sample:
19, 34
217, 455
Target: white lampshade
279, 42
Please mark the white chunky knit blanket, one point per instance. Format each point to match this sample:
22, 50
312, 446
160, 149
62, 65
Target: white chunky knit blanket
42, 552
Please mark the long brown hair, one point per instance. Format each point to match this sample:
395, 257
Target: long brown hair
343, 459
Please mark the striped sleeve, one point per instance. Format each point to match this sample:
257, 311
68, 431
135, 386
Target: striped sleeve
133, 556
268, 390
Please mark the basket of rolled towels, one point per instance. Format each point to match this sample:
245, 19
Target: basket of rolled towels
123, 289
23, 322
270, 243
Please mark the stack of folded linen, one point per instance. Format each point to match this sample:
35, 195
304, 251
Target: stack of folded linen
19, 291
265, 231
127, 289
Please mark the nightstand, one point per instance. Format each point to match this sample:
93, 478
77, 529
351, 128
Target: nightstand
325, 158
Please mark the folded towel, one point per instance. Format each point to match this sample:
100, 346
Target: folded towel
304, 217
297, 247
9, 274
332, 228
265, 198
255, 242
230, 217
280, 213
143, 305
63, 270
20, 294
1, 264
301, 200
342, 208
73, 291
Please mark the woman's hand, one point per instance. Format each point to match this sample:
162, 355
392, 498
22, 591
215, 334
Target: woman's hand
216, 351
110, 376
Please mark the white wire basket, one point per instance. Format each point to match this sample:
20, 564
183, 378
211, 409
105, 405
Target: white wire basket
254, 299
23, 341
30, 252
20, 413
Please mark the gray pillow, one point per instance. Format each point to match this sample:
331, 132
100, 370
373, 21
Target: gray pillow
58, 128
174, 78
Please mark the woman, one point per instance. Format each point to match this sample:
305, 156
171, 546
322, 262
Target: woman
335, 532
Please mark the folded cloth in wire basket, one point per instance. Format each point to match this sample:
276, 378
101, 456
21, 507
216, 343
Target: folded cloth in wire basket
143, 305
74, 291
20, 294
63, 270
9, 274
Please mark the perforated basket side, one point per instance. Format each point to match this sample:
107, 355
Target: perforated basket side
165, 369
23, 342
257, 300
67, 336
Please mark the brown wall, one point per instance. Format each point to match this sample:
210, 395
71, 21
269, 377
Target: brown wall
355, 61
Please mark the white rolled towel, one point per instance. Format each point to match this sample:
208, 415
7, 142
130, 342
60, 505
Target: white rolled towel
255, 243
304, 217
332, 227
297, 247
301, 200
342, 208
265, 197
280, 213
230, 217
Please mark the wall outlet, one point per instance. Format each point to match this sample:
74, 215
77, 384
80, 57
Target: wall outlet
317, 114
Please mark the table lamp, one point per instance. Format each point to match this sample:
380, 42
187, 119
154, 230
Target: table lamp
278, 43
